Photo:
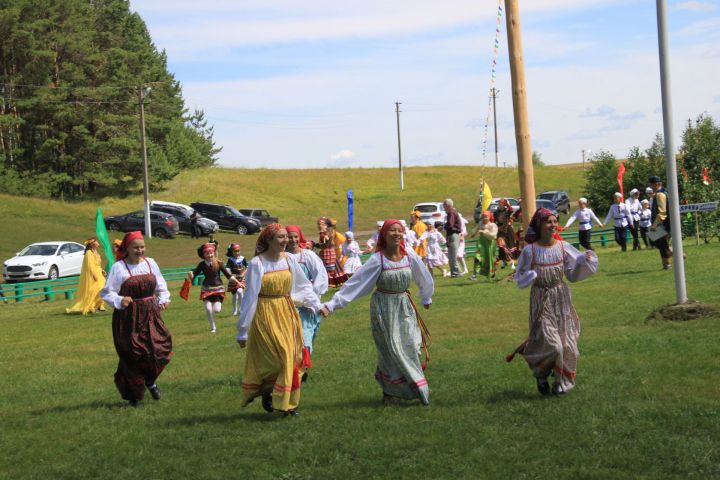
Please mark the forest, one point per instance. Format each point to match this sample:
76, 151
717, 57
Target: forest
70, 83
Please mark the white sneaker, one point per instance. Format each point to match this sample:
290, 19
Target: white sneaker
212, 330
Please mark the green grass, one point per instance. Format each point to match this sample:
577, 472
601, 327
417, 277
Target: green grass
296, 196
646, 405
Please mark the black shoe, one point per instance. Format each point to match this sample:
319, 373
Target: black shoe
134, 403
543, 386
267, 403
558, 390
291, 413
304, 377
154, 391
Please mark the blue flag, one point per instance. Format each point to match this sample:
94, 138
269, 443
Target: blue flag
350, 209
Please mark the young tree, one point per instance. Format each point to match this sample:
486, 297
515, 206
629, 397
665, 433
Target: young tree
601, 182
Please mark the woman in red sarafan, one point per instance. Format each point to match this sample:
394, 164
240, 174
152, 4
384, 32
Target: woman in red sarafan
138, 292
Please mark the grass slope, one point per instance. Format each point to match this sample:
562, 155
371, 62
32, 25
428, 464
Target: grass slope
647, 404
296, 196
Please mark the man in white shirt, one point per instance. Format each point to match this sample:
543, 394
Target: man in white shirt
620, 214
585, 216
633, 204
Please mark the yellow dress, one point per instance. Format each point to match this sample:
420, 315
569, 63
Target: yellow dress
338, 240
274, 346
419, 228
87, 296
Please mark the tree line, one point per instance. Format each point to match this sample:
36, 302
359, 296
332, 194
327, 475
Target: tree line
698, 163
69, 102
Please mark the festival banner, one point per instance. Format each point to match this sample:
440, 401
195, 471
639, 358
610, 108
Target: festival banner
621, 172
350, 209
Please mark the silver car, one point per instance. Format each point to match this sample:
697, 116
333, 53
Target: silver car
49, 260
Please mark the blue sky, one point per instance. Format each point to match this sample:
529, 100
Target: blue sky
291, 84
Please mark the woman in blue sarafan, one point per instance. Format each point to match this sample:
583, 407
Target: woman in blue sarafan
314, 270
398, 330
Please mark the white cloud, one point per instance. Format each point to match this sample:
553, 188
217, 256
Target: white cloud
695, 6
342, 154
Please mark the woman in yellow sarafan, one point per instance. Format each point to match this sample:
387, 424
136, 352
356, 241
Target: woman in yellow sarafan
92, 280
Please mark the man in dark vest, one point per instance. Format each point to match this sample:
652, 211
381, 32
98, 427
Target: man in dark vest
660, 220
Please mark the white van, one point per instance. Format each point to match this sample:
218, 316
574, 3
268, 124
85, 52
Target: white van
431, 212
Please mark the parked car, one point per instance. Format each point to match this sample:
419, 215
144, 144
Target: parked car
227, 217
259, 214
514, 203
544, 203
560, 199
49, 260
431, 212
182, 214
162, 225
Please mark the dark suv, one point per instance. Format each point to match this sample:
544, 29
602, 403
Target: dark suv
163, 225
560, 199
259, 214
182, 215
227, 217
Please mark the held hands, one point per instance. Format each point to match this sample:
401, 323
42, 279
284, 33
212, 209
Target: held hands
324, 311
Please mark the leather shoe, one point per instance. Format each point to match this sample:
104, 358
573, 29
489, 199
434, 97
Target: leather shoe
543, 386
154, 391
291, 413
267, 402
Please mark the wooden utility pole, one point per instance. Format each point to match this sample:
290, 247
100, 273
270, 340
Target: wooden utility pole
397, 113
494, 96
519, 95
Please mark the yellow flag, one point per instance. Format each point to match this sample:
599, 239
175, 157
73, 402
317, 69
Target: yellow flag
486, 196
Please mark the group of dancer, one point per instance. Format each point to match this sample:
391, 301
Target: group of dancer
277, 299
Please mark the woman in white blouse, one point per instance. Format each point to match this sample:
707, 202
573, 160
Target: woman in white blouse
138, 292
397, 328
551, 346
269, 324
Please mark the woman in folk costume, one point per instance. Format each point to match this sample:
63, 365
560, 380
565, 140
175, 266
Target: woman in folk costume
435, 257
506, 235
398, 331
551, 347
486, 251
584, 216
620, 214
138, 292
328, 254
462, 264
212, 292
419, 227
237, 264
269, 324
351, 255
92, 279
314, 270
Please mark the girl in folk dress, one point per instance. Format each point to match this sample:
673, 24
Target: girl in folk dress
138, 292
314, 270
328, 254
351, 255
486, 251
212, 292
584, 216
237, 265
507, 251
462, 264
435, 257
551, 346
92, 279
269, 324
397, 328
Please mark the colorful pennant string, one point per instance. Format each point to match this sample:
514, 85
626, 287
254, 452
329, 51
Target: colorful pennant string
493, 76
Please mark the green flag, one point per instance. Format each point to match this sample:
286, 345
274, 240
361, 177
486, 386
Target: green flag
102, 236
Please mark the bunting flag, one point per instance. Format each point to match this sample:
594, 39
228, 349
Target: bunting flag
493, 76
102, 236
621, 172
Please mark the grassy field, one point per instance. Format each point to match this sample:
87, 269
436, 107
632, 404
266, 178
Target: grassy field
296, 196
647, 404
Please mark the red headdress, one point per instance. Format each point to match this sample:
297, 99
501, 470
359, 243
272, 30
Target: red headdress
121, 251
267, 233
382, 243
294, 228
533, 231
488, 213
231, 248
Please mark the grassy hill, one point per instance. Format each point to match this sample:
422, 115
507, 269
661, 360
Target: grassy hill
296, 196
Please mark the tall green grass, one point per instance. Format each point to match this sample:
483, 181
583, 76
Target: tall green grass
646, 405
296, 196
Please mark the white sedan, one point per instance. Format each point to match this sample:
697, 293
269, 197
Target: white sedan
49, 260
